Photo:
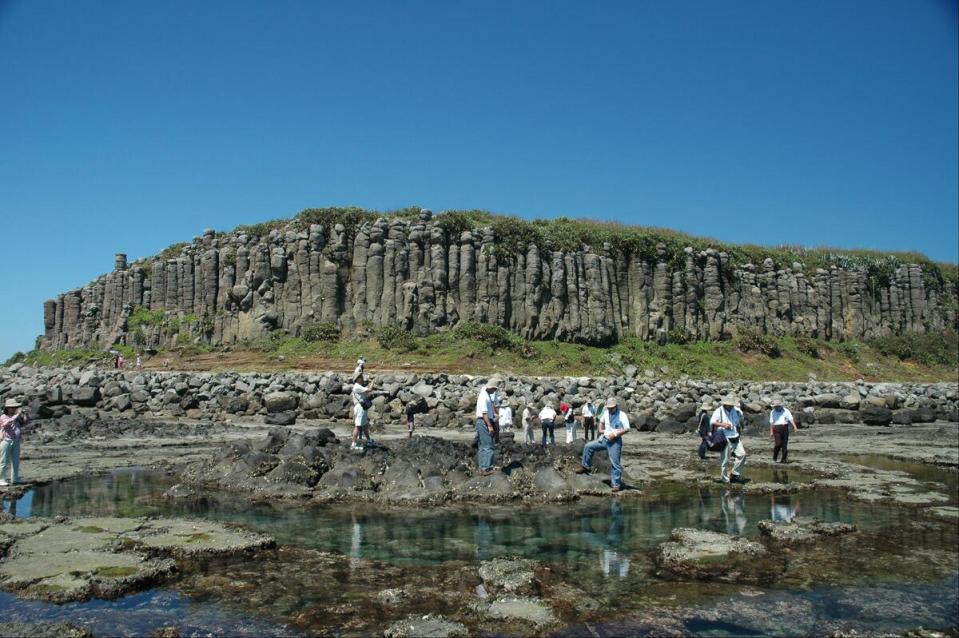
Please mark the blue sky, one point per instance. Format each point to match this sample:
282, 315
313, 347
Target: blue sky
128, 126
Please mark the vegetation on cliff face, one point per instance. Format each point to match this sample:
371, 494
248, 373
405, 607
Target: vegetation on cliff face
481, 349
512, 235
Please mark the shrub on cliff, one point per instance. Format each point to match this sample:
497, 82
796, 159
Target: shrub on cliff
326, 332
928, 349
752, 340
395, 338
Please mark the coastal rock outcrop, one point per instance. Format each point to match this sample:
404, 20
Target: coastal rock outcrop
424, 275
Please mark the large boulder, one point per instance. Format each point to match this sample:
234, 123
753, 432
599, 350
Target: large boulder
875, 415
280, 401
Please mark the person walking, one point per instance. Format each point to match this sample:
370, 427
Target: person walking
547, 417
362, 403
505, 418
527, 419
485, 426
780, 420
589, 420
410, 417
13, 419
138, 363
613, 425
729, 419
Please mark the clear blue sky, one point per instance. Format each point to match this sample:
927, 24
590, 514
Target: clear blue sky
130, 125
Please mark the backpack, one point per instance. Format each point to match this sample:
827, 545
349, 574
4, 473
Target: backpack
366, 402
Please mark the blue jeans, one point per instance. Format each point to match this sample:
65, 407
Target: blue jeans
484, 455
615, 451
548, 427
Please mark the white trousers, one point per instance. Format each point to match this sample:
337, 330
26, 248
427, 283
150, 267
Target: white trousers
571, 432
735, 449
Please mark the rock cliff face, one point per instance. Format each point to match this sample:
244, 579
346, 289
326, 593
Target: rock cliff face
224, 288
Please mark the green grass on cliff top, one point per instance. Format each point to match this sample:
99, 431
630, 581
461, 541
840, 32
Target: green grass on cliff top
919, 358
512, 235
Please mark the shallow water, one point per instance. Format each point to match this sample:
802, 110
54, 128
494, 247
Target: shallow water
601, 546
945, 478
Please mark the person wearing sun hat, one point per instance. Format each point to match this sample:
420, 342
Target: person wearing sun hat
486, 425
14, 417
705, 430
612, 426
729, 418
780, 420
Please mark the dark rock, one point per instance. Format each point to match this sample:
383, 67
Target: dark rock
85, 396
875, 415
281, 418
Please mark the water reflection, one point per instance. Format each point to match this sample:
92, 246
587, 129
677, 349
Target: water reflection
783, 508
568, 533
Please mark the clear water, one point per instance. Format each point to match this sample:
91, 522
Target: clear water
945, 478
603, 546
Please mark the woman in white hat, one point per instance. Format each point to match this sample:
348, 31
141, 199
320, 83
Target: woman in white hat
729, 418
14, 417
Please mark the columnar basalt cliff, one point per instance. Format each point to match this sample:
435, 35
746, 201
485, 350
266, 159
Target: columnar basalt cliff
424, 275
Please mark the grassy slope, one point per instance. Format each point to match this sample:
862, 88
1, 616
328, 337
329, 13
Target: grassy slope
455, 354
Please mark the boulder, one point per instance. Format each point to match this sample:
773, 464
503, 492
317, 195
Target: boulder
280, 401
280, 418
875, 415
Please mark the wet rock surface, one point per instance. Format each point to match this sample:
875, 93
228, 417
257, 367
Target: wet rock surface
76, 559
314, 463
802, 530
707, 555
44, 630
427, 626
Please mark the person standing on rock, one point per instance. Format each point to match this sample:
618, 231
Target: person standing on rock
360, 369
138, 364
13, 419
589, 420
547, 417
485, 426
780, 420
729, 419
505, 418
410, 417
612, 426
569, 420
527, 419
362, 402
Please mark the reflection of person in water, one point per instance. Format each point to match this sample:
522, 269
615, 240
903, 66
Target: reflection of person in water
734, 512
484, 538
356, 542
610, 559
782, 509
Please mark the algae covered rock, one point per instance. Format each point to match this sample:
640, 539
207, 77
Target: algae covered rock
705, 555
803, 530
428, 626
63, 560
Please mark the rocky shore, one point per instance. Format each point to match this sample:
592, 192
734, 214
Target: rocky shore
448, 401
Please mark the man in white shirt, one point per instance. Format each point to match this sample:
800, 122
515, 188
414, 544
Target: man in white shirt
729, 419
527, 419
780, 420
546, 418
612, 426
485, 426
505, 417
589, 420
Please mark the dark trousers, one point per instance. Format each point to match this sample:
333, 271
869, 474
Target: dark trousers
589, 428
548, 427
703, 446
781, 441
